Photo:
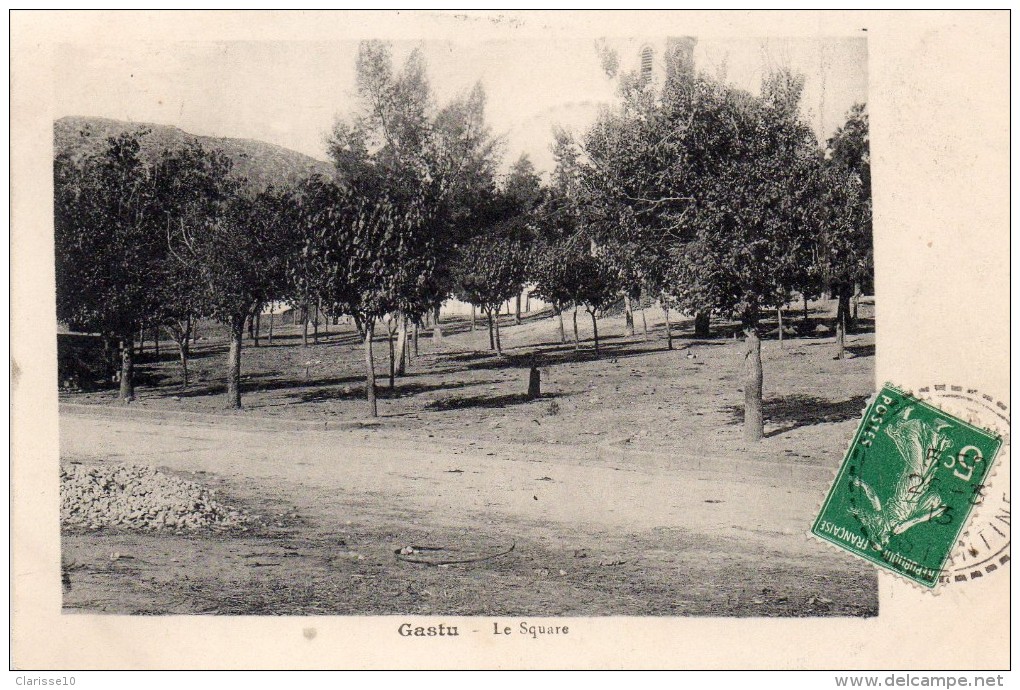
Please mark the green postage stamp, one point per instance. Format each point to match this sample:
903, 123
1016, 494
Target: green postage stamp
907, 486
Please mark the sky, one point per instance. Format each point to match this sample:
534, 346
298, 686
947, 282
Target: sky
290, 93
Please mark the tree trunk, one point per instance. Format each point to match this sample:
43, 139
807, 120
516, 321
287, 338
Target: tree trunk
499, 345
644, 325
669, 326
751, 317
527, 302
754, 426
472, 318
416, 339
517, 309
141, 341
393, 363
182, 353
805, 308
855, 302
402, 347
304, 325
437, 330
258, 327
315, 325
779, 314
127, 369
234, 363
577, 339
848, 324
842, 317
373, 409
563, 333
628, 321
702, 321
595, 331
272, 318
108, 359
492, 336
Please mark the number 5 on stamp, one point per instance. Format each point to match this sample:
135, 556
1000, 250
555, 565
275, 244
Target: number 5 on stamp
907, 486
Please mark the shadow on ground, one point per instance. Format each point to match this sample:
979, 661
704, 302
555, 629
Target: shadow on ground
795, 411
486, 401
382, 389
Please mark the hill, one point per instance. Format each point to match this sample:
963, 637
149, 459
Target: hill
261, 163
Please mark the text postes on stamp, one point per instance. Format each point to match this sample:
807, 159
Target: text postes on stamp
907, 486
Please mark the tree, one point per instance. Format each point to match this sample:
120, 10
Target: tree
597, 288
359, 249
105, 246
553, 274
559, 235
488, 271
844, 250
522, 192
240, 252
568, 273
188, 195
717, 189
178, 304
442, 162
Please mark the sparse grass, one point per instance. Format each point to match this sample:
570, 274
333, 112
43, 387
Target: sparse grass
691, 395
627, 487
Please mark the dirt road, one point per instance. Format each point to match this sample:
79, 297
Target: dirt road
594, 532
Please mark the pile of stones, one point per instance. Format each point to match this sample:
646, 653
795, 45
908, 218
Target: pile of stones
138, 497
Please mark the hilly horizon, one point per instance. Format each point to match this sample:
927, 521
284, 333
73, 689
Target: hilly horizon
263, 164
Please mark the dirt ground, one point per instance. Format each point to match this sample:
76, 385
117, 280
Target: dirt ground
625, 490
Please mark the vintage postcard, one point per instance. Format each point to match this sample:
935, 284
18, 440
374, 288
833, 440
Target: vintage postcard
510, 339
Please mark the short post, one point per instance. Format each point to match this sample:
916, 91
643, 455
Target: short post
534, 384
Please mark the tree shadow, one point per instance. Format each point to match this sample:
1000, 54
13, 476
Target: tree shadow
795, 411
795, 327
250, 383
382, 390
557, 354
456, 324
168, 354
485, 401
861, 350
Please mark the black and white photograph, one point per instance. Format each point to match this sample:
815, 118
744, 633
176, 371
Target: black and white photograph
487, 328
509, 328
